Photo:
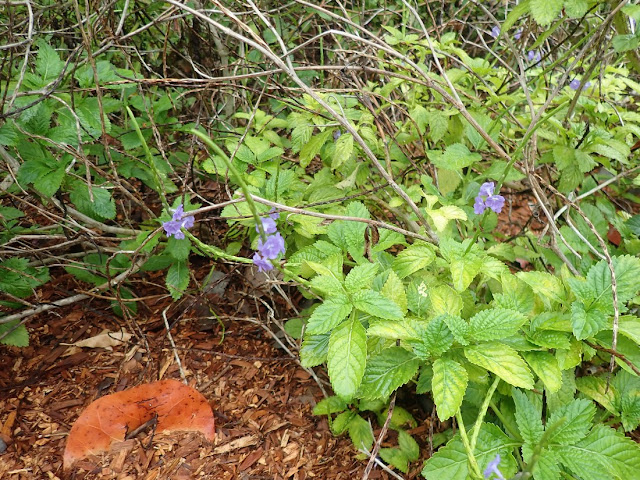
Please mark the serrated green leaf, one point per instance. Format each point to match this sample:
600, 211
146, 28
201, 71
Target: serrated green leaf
495, 324
412, 259
343, 150
388, 238
327, 284
448, 385
576, 8
464, 265
596, 389
178, 279
387, 371
443, 215
329, 405
393, 289
361, 276
434, 340
587, 321
455, 157
396, 458
349, 235
571, 423
347, 357
545, 365
451, 462
314, 349
545, 11
19, 336
375, 304
48, 63
340, 424
408, 446
329, 315
502, 360
178, 248
102, 207
627, 270
458, 327
528, 417
45, 175
312, 148
604, 453
545, 285
361, 433
445, 300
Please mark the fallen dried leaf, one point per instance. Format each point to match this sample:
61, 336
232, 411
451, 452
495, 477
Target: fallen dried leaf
105, 339
108, 419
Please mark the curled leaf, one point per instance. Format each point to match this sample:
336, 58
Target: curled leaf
109, 418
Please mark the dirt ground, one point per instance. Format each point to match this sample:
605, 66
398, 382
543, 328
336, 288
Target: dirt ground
261, 398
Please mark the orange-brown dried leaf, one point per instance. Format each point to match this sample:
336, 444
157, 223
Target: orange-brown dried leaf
108, 419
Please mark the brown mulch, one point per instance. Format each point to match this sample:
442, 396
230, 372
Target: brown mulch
261, 398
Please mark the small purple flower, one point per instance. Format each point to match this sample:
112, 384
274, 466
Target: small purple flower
495, 32
177, 223
575, 84
517, 35
268, 224
486, 199
533, 56
492, 469
263, 264
272, 247
336, 134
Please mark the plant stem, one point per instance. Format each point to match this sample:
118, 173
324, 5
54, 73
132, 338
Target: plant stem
473, 463
483, 412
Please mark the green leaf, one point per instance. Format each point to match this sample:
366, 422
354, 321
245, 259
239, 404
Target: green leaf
46, 175
412, 259
445, 300
396, 458
464, 265
8, 134
361, 276
329, 405
375, 304
438, 125
393, 289
604, 453
456, 157
48, 63
348, 235
587, 321
314, 349
347, 357
458, 327
329, 315
178, 248
449, 384
327, 284
443, 215
624, 43
389, 238
576, 8
451, 462
17, 278
571, 423
102, 207
19, 336
435, 339
387, 371
528, 417
627, 270
360, 433
408, 445
543, 284
340, 424
545, 365
545, 11
178, 279
596, 389
343, 151
502, 360
495, 324
312, 147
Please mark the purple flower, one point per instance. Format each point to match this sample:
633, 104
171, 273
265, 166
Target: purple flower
486, 199
272, 247
177, 223
268, 224
575, 84
336, 134
492, 469
263, 264
495, 32
533, 56
517, 35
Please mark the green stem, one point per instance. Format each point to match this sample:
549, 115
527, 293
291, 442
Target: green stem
505, 423
152, 163
483, 412
473, 463
214, 252
238, 178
